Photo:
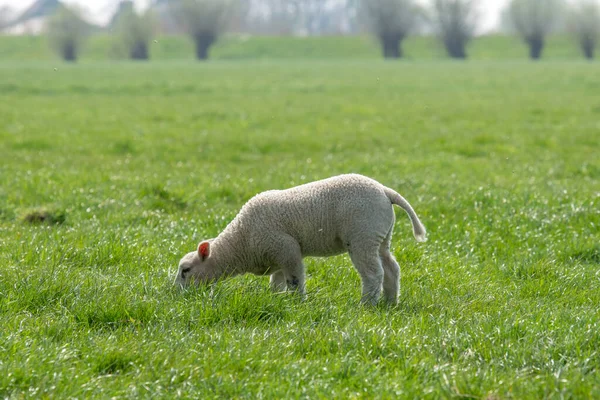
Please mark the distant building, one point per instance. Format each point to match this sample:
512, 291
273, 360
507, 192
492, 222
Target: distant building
33, 20
6, 16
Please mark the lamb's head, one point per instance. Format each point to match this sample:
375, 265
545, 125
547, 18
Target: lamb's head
197, 266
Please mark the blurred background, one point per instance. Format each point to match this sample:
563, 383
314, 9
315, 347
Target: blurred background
172, 29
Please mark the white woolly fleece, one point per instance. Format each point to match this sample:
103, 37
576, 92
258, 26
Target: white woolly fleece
276, 229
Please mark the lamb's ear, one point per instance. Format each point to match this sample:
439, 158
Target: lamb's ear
204, 250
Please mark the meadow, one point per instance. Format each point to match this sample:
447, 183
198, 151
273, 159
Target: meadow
236, 47
110, 172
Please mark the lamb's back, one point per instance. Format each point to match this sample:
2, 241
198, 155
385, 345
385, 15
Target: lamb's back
317, 214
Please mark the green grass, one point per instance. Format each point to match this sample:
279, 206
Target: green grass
102, 47
135, 164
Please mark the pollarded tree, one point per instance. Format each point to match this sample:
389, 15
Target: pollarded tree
135, 33
455, 22
533, 21
391, 21
584, 22
66, 31
204, 20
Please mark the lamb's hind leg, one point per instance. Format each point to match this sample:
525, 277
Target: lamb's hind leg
277, 282
368, 264
391, 270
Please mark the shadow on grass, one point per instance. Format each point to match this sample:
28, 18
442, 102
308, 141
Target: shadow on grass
590, 255
159, 198
46, 216
113, 363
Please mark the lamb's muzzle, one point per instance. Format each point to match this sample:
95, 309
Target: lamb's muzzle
276, 229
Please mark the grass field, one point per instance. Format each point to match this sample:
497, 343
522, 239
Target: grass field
110, 172
237, 47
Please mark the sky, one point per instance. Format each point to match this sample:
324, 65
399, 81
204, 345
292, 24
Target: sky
101, 10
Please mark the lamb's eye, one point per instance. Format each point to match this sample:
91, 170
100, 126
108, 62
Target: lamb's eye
185, 271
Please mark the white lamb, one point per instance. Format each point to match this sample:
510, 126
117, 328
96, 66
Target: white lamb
276, 229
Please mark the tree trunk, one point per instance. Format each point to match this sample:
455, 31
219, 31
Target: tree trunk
536, 45
139, 51
455, 48
69, 52
587, 45
392, 47
203, 43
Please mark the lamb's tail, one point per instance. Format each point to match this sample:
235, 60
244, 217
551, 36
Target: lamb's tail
418, 228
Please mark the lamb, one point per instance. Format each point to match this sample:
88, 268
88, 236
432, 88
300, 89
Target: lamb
276, 229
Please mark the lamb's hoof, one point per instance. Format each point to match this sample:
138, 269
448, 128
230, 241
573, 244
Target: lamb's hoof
391, 302
298, 295
369, 301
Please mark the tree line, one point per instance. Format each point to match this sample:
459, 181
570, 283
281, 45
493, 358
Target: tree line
454, 22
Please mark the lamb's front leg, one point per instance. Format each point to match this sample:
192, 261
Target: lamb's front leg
295, 279
289, 259
277, 282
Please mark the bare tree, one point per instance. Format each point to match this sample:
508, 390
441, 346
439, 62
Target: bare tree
280, 16
135, 32
391, 21
204, 20
299, 17
311, 15
67, 31
584, 22
241, 16
533, 21
455, 22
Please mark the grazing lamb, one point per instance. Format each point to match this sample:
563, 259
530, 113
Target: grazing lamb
276, 229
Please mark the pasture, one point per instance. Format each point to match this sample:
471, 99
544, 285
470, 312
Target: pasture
111, 172
240, 47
